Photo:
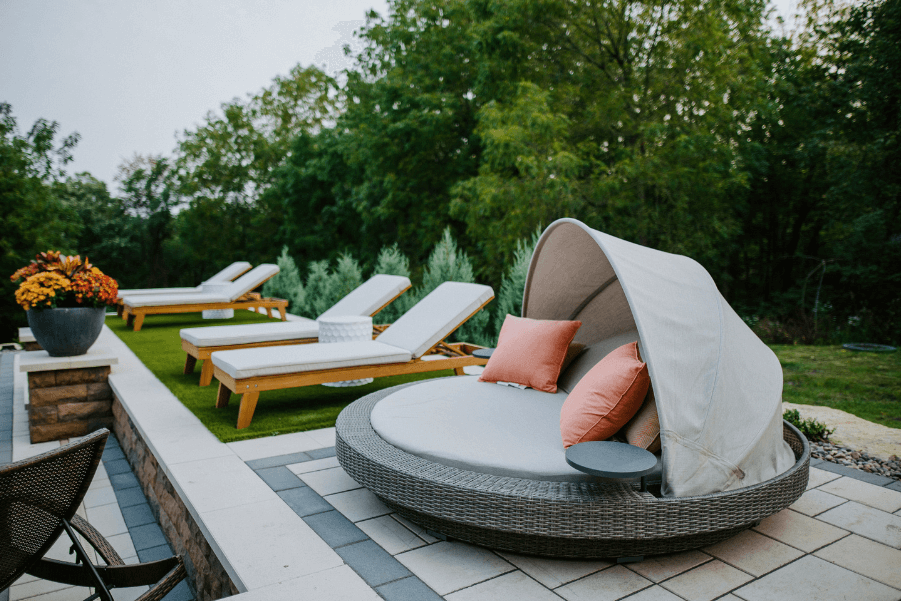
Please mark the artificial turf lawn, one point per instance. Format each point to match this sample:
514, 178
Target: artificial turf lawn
867, 385
158, 346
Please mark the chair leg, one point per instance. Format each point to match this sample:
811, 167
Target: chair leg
190, 362
139, 321
269, 312
248, 405
223, 396
206, 372
129, 319
459, 371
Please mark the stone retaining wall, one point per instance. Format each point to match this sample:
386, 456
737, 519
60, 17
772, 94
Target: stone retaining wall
66, 403
206, 574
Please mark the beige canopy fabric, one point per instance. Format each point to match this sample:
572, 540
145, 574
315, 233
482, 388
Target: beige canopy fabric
718, 388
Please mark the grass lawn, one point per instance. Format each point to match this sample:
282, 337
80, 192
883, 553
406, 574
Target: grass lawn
867, 385
158, 346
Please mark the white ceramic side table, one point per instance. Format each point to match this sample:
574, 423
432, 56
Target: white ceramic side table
345, 329
217, 288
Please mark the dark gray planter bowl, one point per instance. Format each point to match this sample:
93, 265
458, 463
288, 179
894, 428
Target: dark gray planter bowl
66, 332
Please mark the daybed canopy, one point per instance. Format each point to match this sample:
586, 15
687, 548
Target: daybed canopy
718, 388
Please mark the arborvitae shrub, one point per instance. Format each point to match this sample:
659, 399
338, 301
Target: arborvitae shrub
317, 289
287, 284
324, 289
448, 264
393, 262
509, 300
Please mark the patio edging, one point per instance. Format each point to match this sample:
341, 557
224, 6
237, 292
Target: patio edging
184, 531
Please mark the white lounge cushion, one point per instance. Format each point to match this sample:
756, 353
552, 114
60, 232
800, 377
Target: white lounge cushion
433, 318
300, 327
230, 272
226, 275
478, 426
370, 296
161, 300
145, 291
274, 360
250, 280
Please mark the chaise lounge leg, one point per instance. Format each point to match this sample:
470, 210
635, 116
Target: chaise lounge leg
190, 362
206, 372
138, 321
248, 405
269, 312
120, 309
459, 371
223, 396
129, 319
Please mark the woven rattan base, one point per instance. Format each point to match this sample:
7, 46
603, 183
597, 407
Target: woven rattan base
560, 519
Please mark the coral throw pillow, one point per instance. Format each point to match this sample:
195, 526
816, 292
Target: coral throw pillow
606, 398
530, 352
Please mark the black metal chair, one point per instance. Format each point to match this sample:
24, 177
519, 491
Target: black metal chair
38, 500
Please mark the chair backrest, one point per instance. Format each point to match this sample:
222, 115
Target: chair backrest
436, 316
229, 273
36, 494
370, 296
250, 280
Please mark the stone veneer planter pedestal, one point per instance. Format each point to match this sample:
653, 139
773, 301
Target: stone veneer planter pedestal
67, 396
26, 338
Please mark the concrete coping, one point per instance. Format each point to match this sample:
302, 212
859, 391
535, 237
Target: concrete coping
25, 335
97, 356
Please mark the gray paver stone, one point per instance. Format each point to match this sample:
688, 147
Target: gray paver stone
304, 501
147, 536
372, 563
138, 515
322, 453
258, 464
279, 478
335, 529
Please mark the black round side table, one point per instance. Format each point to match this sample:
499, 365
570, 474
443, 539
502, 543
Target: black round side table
611, 459
483, 353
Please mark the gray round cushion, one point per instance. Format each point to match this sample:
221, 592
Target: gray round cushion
478, 426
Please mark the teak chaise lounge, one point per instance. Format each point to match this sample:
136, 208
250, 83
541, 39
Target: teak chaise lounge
369, 298
226, 275
39, 497
397, 350
237, 295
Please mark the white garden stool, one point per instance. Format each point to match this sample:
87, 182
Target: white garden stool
216, 288
345, 329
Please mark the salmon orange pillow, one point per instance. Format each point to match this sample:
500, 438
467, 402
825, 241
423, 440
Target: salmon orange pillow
606, 398
530, 352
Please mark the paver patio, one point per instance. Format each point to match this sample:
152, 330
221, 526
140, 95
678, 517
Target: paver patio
292, 525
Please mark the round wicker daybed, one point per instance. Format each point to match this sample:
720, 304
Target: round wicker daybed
559, 519
727, 461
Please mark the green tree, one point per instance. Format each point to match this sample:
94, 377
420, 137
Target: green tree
32, 217
108, 235
148, 190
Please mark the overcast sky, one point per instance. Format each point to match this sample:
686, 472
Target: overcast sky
128, 75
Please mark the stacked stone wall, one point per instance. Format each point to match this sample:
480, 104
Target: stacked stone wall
66, 403
207, 576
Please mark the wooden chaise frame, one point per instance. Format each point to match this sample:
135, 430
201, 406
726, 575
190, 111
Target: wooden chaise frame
120, 301
250, 388
252, 300
195, 353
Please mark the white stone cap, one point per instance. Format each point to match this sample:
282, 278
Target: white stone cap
25, 335
41, 361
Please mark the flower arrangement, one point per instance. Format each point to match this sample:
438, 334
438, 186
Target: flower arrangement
53, 280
